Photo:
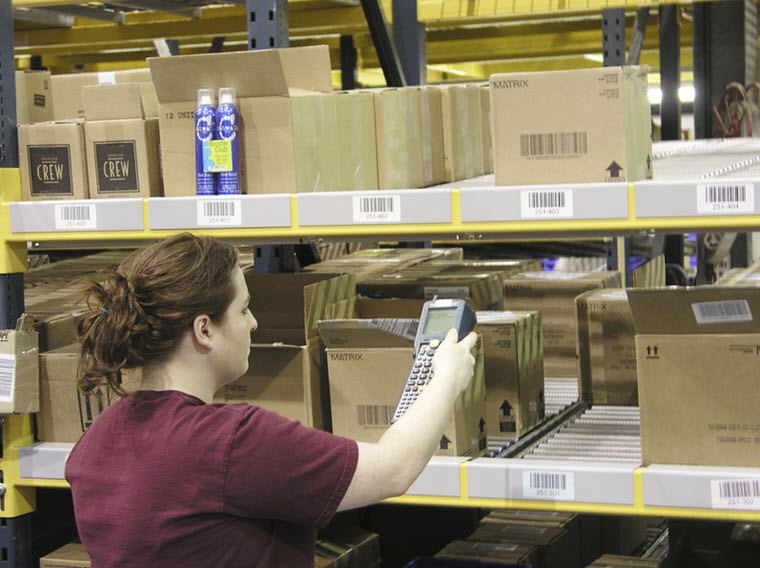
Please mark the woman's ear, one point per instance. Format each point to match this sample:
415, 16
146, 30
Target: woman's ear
202, 330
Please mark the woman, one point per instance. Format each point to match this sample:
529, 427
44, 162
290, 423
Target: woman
164, 477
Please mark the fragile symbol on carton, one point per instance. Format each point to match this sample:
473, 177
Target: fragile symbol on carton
652, 352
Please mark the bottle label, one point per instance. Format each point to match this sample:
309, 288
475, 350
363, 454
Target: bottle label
217, 156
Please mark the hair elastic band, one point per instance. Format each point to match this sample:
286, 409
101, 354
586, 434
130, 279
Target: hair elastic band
105, 311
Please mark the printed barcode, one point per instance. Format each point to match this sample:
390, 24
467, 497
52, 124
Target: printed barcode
75, 212
548, 481
737, 489
718, 312
219, 208
546, 199
554, 144
374, 415
726, 194
7, 370
376, 205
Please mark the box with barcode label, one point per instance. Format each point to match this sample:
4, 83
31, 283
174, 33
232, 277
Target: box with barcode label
19, 369
52, 161
697, 359
583, 125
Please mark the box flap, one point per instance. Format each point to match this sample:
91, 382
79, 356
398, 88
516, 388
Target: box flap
255, 73
108, 102
695, 310
358, 333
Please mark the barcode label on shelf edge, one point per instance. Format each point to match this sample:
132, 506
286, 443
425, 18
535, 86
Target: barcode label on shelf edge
546, 204
548, 485
722, 312
220, 212
75, 216
7, 376
727, 198
374, 209
735, 494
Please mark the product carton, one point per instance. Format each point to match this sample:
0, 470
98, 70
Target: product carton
697, 354
606, 348
52, 161
19, 368
584, 125
121, 141
398, 128
368, 360
34, 102
431, 116
555, 547
54, 329
485, 110
287, 372
553, 293
740, 277
514, 371
67, 89
265, 83
618, 561
71, 555
462, 132
347, 546
490, 552
357, 141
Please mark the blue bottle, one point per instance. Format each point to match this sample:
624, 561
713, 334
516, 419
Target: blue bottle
227, 118
205, 119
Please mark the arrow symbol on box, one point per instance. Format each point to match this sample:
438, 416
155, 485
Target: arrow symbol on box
614, 168
445, 442
482, 424
505, 408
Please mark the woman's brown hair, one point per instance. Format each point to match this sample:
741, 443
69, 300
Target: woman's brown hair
141, 309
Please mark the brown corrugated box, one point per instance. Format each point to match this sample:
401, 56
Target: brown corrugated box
265, 82
514, 371
34, 100
490, 552
19, 368
71, 555
606, 348
398, 127
287, 372
462, 131
583, 125
740, 277
357, 142
555, 547
697, 356
553, 294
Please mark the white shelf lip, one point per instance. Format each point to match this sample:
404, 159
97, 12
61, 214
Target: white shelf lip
584, 201
693, 486
440, 478
219, 211
601, 483
43, 460
681, 198
374, 208
77, 215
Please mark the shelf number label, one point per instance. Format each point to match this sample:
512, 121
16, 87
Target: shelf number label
735, 494
726, 199
551, 486
220, 213
377, 209
545, 204
72, 217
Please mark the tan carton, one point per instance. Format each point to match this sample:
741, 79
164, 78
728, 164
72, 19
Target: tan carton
398, 128
356, 142
52, 161
584, 125
462, 143
265, 83
606, 348
19, 368
71, 555
553, 293
507, 553
740, 277
34, 101
697, 354
555, 546
514, 371
431, 116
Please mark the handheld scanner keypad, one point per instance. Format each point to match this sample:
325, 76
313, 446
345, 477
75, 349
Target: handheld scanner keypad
437, 318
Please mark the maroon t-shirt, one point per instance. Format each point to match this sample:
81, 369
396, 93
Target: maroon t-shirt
162, 479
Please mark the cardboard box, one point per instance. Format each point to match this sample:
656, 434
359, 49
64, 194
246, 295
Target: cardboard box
697, 354
618, 561
65, 413
606, 348
19, 368
67, 89
136, 100
55, 330
52, 161
287, 372
264, 82
583, 125
34, 102
485, 110
553, 293
554, 546
398, 127
315, 138
462, 142
514, 371
347, 547
740, 277
490, 552
356, 141
431, 117
368, 361
71, 555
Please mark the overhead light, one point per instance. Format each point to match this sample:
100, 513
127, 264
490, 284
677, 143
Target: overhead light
686, 94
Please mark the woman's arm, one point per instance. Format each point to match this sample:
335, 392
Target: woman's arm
388, 467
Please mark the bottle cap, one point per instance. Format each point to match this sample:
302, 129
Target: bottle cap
227, 96
205, 97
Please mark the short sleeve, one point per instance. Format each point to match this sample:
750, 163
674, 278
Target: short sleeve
282, 470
